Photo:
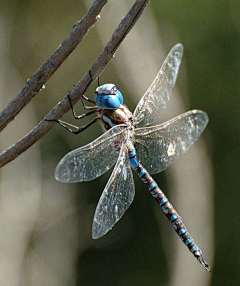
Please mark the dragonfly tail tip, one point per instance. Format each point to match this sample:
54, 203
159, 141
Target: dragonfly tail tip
203, 261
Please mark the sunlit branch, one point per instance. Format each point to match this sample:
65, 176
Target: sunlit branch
75, 94
42, 75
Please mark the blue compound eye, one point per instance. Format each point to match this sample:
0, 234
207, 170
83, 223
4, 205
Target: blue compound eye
108, 96
106, 101
120, 97
112, 102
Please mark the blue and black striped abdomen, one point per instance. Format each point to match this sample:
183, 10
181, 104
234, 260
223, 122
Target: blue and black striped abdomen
167, 207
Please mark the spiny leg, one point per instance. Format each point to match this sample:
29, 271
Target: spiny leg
83, 97
98, 78
93, 108
86, 98
78, 130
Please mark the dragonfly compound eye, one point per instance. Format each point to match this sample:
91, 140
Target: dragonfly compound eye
107, 96
106, 101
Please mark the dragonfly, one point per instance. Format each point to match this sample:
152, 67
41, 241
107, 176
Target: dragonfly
130, 143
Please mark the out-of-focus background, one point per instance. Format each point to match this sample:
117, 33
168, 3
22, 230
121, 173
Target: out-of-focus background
45, 226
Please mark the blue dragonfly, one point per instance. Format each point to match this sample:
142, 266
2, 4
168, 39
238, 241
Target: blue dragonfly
129, 143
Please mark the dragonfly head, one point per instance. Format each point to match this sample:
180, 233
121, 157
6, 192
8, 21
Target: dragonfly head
107, 96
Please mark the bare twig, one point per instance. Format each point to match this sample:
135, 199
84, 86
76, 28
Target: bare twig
40, 77
61, 108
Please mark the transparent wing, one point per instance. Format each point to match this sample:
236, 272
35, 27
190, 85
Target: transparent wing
161, 145
156, 98
92, 160
116, 197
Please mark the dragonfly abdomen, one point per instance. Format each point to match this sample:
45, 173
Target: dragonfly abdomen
167, 208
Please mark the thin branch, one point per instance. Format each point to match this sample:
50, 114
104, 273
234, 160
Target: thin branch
62, 107
40, 77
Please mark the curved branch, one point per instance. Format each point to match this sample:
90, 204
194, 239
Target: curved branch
40, 77
62, 107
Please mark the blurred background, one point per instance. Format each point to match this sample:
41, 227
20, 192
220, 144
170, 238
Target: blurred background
45, 226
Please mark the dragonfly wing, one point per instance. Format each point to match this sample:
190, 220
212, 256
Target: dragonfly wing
92, 160
116, 197
156, 98
161, 145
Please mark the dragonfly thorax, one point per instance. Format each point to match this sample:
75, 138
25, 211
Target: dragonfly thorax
110, 118
107, 96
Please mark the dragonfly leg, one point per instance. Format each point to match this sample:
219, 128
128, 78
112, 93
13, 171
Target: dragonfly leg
98, 78
69, 126
65, 124
83, 97
93, 108
86, 98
